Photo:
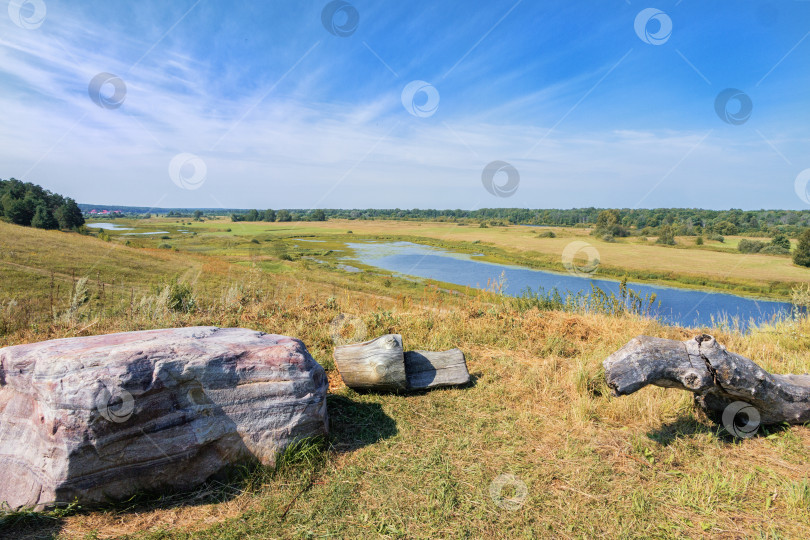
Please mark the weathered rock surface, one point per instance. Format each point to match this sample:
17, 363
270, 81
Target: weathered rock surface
100, 418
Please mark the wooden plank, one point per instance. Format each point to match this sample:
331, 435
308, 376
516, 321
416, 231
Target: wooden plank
431, 369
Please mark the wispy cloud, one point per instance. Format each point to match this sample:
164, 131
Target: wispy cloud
279, 127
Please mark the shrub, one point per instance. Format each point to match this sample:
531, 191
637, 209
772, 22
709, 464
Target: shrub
179, 297
802, 254
750, 246
254, 241
717, 237
547, 234
165, 246
667, 236
780, 240
774, 250
699, 241
164, 237
608, 238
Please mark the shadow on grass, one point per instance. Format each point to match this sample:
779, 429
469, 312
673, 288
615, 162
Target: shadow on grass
24, 525
227, 484
688, 427
354, 424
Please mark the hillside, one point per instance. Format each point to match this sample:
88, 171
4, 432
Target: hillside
423, 465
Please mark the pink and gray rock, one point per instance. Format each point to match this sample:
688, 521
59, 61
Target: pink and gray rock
100, 418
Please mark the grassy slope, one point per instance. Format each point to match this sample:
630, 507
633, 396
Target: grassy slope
422, 465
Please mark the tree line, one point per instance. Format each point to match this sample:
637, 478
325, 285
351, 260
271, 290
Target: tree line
683, 221
30, 205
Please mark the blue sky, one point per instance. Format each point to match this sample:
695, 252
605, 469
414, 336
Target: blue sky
282, 113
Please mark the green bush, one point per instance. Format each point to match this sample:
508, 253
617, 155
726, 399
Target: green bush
165, 246
717, 237
699, 241
780, 240
774, 250
547, 234
667, 236
750, 246
802, 254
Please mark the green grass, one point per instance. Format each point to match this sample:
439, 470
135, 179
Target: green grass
423, 465
713, 266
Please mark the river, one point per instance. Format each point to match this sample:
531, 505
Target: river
684, 307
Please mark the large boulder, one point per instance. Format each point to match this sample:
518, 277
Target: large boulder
100, 418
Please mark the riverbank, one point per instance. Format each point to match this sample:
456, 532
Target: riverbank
421, 465
708, 268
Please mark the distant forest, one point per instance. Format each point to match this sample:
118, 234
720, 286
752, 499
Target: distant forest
28, 204
618, 222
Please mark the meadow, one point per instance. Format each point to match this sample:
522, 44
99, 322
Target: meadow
424, 465
712, 266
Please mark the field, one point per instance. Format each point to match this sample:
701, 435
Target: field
713, 266
425, 465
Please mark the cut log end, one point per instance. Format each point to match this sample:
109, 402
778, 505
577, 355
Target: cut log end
382, 365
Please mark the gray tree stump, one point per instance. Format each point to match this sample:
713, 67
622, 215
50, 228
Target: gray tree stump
717, 377
382, 365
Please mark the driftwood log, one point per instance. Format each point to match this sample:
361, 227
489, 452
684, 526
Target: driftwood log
382, 364
718, 378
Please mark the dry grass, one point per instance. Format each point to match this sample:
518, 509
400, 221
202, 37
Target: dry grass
714, 264
421, 466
